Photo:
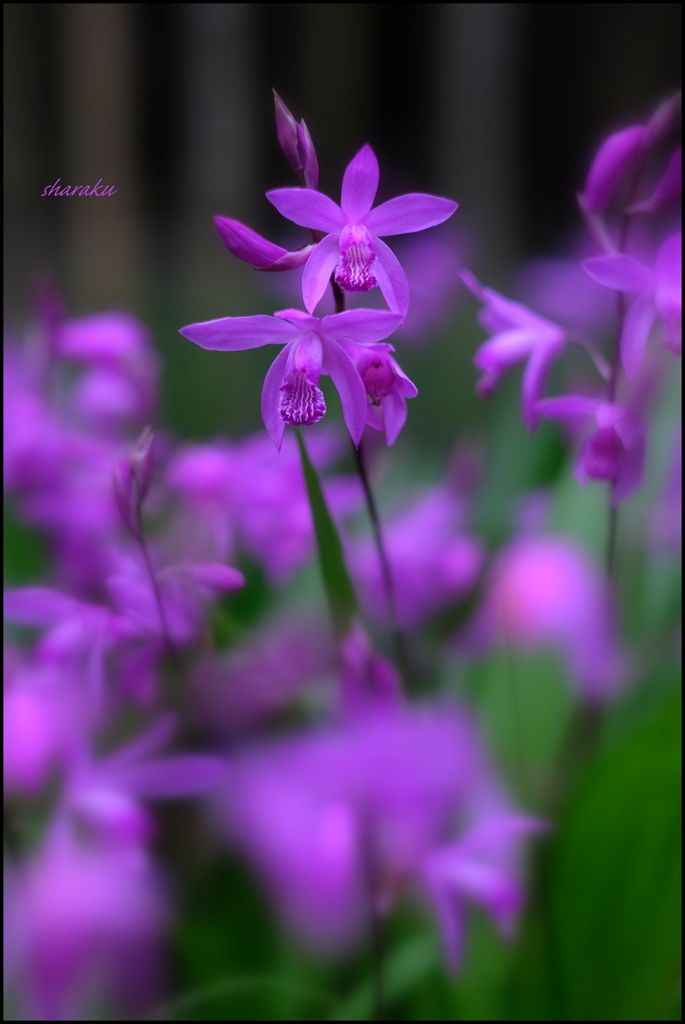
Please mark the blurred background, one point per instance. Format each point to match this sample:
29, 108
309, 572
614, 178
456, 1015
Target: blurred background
498, 106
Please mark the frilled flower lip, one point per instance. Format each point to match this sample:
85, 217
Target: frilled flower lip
289, 327
314, 210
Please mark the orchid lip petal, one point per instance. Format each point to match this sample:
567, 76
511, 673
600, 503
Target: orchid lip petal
307, 208
413, 212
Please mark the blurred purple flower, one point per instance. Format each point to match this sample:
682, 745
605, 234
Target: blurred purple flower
83, 924
659, 293
338, 822
547, 592
518, 334
264, 674
369, 682
668, 189
433, 562
615, 452
353, 251
311, 347
563, 292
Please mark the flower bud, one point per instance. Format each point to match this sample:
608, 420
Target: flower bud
310, 165
664, 119
611, 160
286, 129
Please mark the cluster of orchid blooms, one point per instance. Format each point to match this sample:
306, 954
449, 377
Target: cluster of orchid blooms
375, 794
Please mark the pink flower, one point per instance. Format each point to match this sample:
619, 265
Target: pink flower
518, 334
615, 452
352, 250
387, 387
291, 391
659, 293
547, 592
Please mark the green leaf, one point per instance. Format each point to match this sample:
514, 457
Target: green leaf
615, 909
336, 580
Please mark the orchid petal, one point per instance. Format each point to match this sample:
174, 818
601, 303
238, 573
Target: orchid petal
365, 326
534, 379
413, 212
394, 416
360, 184
212, 575
307, 208
638, 323
392, 280
317, 273
669, 262
505, 349
620, 272
236, 333
289, 260
630, 472
245, 243
297, 316
40, 606
271, 395
612, 157
668, 189
343, 373
567, 407
404, 386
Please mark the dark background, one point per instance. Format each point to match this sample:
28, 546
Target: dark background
499, 106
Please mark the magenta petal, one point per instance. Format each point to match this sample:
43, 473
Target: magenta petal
303, 320
215, 576
271, 396
341, 369
612, 157
236, 333
620, 271
636, 328
307, 208
567, 407
245, 243
365, 326
534, 379
317, 273
630, 474
668, 189
289, 260
394, 416
360, 184
669, 262
40, 606
413, 212
392, 280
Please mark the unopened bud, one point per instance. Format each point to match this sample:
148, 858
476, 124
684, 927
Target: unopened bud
286, 130
664, 119
142, 463
310, 165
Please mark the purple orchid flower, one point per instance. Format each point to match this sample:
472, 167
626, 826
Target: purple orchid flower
83, 924
312, 346
659, 293
518, 334
352, 249
615, 452
612, 158
546, 592
387, 387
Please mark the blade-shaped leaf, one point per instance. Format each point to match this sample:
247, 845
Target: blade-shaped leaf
336, 580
